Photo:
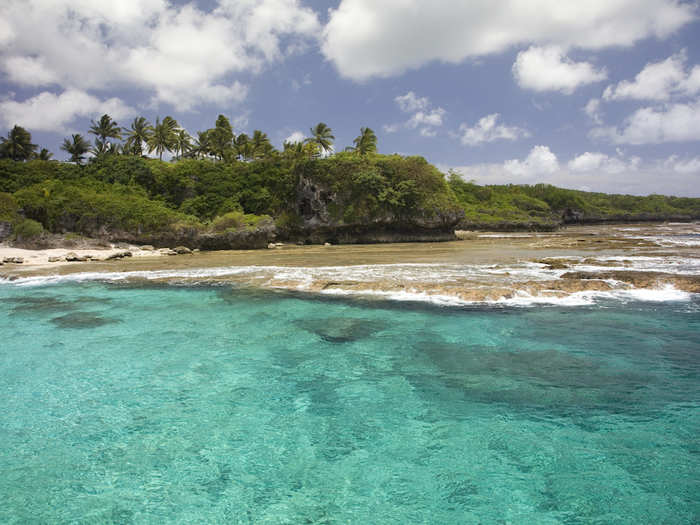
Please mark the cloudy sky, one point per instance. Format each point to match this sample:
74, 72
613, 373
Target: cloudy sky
601, 95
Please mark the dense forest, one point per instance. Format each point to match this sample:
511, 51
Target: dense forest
223, 184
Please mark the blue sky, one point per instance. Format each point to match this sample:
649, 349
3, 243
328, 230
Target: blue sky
602, 95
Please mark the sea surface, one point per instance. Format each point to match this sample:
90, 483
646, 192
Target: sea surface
128, 401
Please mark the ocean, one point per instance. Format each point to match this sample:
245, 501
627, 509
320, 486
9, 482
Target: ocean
126, 400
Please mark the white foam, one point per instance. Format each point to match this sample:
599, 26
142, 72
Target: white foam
302, 278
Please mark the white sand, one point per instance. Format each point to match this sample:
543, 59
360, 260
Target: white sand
39, 258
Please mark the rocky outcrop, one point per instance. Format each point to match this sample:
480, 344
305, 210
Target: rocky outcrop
687, 283
321, 213
193, 238
5, 230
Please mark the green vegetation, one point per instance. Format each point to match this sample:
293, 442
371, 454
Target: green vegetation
543, 206
222, 182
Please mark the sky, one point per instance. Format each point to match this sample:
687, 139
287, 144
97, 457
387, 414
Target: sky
601, 95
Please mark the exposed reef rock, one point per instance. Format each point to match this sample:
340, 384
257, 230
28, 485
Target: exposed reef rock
328, 216
638, 279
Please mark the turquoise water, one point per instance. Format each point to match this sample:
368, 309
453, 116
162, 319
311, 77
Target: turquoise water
204, 404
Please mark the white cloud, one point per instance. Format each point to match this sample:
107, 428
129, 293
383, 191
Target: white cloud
592, 172
689, 166
658, 81
599, 162
486, 130
671, 123
295, 136
365, 38
178, 54
432, 117
548, 69
49, 112
410, 102
29, 71
424, 115
594, 111
540, 161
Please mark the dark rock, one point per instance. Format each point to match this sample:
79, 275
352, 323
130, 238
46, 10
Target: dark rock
81, 320
5, 230
341, 329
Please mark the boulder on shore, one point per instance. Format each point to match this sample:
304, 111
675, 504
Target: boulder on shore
13, 260
118, 255
182, 250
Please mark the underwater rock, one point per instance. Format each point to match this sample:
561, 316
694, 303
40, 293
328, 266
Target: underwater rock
341, 329
26, 305
81, 320
531, 378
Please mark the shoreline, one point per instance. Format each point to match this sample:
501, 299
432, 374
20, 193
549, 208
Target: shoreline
575, 266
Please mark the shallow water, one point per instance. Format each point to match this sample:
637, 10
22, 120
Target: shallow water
133, 403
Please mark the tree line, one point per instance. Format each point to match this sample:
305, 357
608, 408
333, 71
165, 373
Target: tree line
218, 143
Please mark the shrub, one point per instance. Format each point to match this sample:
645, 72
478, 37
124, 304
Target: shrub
27, 229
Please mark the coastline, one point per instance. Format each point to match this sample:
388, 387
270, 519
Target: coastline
572, 266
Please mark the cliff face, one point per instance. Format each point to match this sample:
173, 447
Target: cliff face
329, 214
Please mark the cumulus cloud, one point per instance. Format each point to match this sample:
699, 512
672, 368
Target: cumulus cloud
600, 162
424, 116
688, 166
540, 161
594, 111
658, 81
365, 38
295, 136
651, 125
177, 54
49, 112
592, 171
391, 128
487, 130
410, 102
548, 69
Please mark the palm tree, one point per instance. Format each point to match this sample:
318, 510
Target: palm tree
44, 154
163, 137
139, 134
18, 145
366, 142
221, 137
100, 149
322, 135
77, 147
183, 143
201, 147
243, 147
106, 128
260, 144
